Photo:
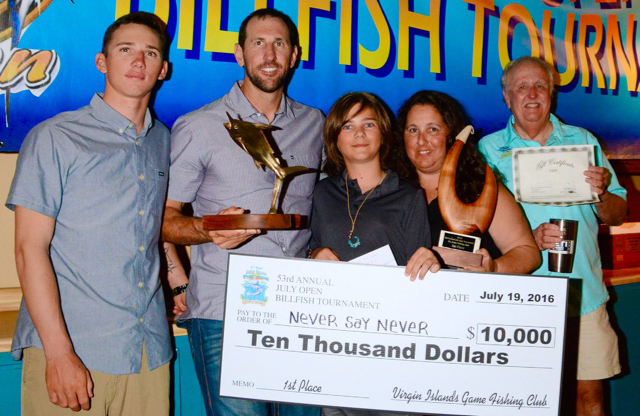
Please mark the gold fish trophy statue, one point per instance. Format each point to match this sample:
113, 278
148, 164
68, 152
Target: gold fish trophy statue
251, 138
457, 247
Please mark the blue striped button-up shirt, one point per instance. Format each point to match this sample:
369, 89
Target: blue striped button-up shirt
105, 186
211, 171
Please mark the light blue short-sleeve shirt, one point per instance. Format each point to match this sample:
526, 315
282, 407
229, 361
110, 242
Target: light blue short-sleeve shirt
209, 170
105, 186
497, 149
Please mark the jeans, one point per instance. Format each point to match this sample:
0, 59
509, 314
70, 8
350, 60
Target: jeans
205, 338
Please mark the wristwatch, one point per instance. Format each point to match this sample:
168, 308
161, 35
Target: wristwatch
179, 289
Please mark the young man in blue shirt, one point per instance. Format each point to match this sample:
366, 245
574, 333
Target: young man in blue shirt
88, 196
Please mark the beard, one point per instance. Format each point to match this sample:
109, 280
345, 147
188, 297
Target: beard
268, 85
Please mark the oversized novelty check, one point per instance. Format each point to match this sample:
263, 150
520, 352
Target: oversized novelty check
553, 175
361, 336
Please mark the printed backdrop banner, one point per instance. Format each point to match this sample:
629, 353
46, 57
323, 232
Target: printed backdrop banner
392, 48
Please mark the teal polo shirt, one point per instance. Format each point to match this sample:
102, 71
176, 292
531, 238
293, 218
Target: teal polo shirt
497, 149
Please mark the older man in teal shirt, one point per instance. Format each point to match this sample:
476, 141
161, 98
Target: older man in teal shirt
527, 87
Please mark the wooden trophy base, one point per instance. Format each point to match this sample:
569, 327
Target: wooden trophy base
458, 258
254, 221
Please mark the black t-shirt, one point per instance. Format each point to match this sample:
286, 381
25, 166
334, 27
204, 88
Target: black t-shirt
395, 213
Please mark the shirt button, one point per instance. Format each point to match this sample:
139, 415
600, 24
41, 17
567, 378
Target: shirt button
131, 125
141, 212
141, 177
137, 142
121, 130
141, 248
284, 249
140, 285
141, 320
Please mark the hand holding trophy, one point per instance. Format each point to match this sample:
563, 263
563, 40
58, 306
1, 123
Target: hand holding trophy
251, 138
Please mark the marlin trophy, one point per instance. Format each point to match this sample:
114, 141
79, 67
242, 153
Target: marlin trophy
251, 138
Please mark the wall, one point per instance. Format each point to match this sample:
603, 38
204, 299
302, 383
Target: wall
628, 171
8, 274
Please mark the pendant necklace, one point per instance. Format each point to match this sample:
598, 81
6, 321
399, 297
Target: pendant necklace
356, 242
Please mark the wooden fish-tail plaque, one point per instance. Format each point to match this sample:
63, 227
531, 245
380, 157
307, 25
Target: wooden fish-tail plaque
457, 247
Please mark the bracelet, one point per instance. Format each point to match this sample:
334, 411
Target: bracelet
179, 289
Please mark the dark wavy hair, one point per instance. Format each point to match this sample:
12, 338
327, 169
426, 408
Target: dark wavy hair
263, 14
337, 117
470, 171
149, 20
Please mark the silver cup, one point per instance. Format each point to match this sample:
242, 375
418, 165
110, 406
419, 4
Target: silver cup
561, 256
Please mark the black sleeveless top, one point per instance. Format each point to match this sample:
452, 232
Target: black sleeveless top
437, 224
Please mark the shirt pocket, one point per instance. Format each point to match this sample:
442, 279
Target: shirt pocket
301, 184
159, 189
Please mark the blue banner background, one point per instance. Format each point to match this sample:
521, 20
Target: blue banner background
74, 31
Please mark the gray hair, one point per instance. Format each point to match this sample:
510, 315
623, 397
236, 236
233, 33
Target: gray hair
513, 65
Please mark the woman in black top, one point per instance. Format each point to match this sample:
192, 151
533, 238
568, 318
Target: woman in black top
428, 123
364, 205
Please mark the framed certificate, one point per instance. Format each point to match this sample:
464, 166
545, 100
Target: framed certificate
362, 336
553, 175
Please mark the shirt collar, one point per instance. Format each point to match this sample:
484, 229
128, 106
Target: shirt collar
104, 112
554, 137
390, 184
245, 109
